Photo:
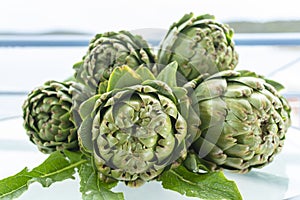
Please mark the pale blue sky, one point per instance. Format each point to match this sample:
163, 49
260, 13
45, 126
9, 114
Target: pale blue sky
99, 16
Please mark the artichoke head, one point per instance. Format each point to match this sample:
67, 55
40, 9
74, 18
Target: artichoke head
48, 118
135, 130
244, 121
199, 45
108, 50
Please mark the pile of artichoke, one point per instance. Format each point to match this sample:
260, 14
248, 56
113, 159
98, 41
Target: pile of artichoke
136, 114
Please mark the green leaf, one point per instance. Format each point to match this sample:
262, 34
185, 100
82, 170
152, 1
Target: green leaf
168, 74
93, 188
123, 77
208, 186
13, 186
57, 167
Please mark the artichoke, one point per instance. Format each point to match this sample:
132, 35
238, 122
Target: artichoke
108, 50
135, 130
48, 118
244, 121
105, 52
199, 45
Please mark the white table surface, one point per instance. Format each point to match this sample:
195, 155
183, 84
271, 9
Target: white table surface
278, 180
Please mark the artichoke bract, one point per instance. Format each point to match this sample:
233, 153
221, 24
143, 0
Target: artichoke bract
199, 45
135, 130
108, 50
244, 121
80, 93
48, 118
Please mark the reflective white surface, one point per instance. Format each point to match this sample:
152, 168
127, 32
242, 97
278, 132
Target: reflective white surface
278, 180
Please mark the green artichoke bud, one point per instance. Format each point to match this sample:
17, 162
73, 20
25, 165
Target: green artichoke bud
108, 50
105, 52
244, 121
199, 45
135, 130
48, 118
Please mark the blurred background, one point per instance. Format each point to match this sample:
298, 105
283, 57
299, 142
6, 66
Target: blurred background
41, 40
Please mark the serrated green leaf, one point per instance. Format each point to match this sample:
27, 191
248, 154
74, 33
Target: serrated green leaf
13, 186
73, 157
57, 167
92, 188
208, 186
